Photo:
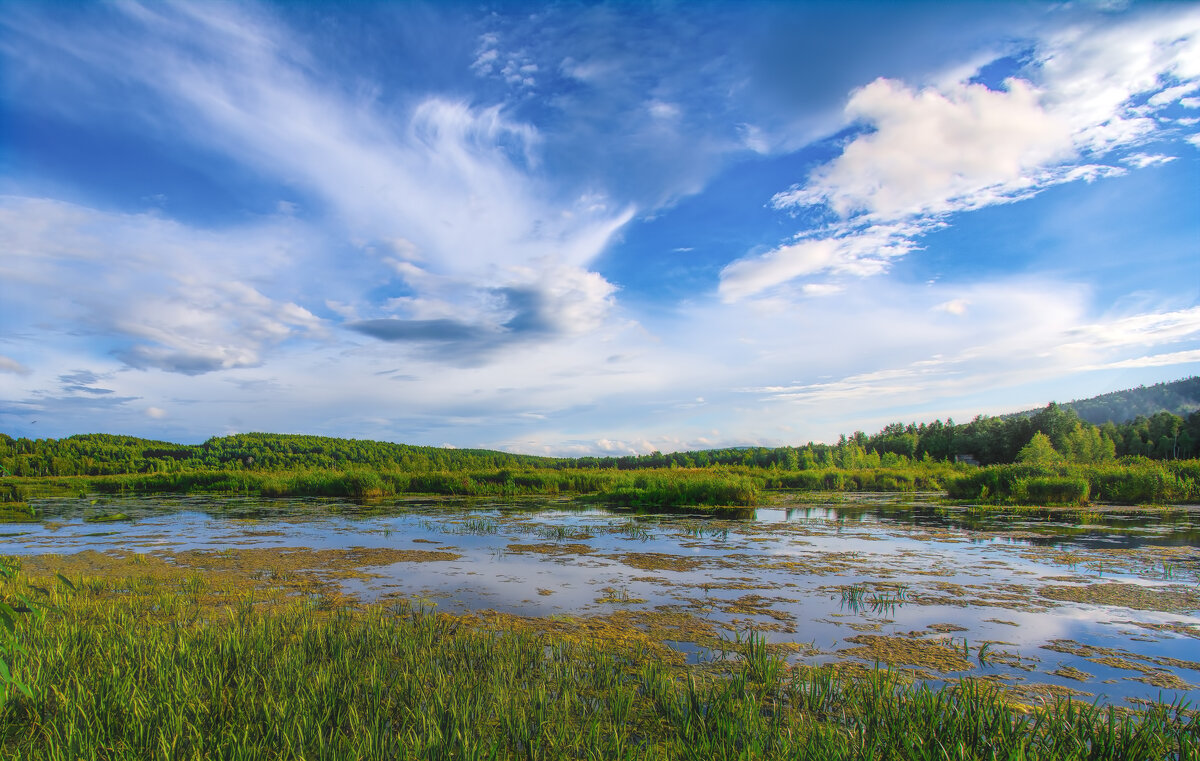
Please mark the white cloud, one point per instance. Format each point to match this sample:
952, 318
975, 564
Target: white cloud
746, 277
1153, 360
925, 154
441, 192
160, 293
1092, 73
854, 250
1137, 330
890, 349
822, 289
933, 152
10, 365
1143, 160
156, 413
954, 306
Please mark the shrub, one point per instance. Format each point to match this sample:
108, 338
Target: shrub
1052, 490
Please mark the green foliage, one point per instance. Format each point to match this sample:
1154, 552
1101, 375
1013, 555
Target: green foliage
1087, 444
1132, 481
155, 678
675, 488
1039, 451
1051, 490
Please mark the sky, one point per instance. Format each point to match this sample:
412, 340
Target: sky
590, 228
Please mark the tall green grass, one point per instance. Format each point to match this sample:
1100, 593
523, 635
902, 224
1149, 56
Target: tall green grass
681, 487
922, 477
1134, 481
154, 677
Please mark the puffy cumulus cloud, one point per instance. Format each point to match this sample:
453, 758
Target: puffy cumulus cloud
932, 151
921, 155
158, 293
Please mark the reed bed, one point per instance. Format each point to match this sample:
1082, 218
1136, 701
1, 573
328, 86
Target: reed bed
1135, 481
114, 674
738, 486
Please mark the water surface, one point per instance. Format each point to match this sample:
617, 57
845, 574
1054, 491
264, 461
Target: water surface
1107, 610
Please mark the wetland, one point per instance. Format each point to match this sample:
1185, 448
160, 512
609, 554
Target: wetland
1102, 606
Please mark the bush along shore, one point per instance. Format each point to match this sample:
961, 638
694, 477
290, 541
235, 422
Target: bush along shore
1131, 481
104, 669
1135, 481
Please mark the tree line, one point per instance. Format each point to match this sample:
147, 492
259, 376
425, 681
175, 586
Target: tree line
1053, 434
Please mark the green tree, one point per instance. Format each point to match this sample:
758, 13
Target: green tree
1039, 451
1085, 443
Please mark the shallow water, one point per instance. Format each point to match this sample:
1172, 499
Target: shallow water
952, 592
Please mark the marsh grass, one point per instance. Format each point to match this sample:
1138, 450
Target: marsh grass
860, 598
476, 526
157, 675
1130, 482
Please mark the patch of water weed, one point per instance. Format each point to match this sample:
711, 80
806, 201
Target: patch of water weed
900, 650
17, 512
1186, 628
659, 561
699, 530
1167, 599
550, 548
618, 596
1070, 672
107, 518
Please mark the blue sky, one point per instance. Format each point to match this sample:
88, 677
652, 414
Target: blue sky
590, 228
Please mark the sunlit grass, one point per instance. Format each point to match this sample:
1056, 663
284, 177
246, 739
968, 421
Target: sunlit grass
154, 673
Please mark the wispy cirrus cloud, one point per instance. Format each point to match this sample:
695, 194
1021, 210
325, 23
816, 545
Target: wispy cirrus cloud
457, 183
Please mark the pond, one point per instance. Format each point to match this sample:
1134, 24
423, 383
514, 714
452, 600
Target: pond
1104, 605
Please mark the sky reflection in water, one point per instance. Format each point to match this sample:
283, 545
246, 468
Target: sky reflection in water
976, 576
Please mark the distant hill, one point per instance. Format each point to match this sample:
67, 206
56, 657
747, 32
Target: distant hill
1181, 397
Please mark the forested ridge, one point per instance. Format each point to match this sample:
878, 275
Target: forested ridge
1054, 433
1181, 397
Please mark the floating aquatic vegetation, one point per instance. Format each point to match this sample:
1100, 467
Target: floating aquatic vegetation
618, 595
659, 561
550, 548
1070, 672
899, 650
1167, 599
107, 518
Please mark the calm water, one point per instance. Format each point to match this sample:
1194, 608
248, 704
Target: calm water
810, 574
